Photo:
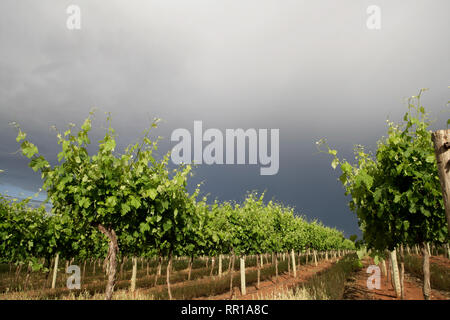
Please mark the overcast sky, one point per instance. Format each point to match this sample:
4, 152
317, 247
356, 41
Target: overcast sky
311, 69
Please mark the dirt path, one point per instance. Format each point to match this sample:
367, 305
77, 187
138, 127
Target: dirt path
356, 287
270, 287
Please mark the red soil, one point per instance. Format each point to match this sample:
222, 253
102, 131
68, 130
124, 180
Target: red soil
356, 288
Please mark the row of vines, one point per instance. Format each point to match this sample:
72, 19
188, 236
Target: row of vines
396, 193
112, 206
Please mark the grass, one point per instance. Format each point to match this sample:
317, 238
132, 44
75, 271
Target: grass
290, 294
326, 285
216, 285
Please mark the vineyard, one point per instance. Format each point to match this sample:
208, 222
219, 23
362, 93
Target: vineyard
400, 194
115, 209
127, 223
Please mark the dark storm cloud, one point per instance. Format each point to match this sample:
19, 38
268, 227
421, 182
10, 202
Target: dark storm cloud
310, 68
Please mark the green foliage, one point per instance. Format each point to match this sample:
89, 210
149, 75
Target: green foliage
27, 234
396, 193
130, 193
146, 204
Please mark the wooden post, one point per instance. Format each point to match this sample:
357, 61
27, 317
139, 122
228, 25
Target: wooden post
191, 259
293, 263
55, 271
258, 266
231, 273
289, 264
133, 275
441, 140
243, 287
213, 260
383, 267
402, 272
169, 266
395, 273
84, 269
426, 273
276, 267
158, 272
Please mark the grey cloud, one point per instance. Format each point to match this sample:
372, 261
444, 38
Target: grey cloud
309, 68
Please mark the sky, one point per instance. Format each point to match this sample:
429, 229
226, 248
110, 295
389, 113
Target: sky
312, 69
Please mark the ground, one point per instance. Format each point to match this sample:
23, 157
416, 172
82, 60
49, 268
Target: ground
270, 287
356, 287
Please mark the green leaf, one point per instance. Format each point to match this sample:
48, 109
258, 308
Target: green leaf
167, 225
38, 163
144, 227
21, 136
110, 144
346, 167
29, 149
406, 224
152, 193
376, 260
86, 125
84, 202
111, 201
431, 158
125, 209
335, 163
135, 202
426, 213
377, 195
